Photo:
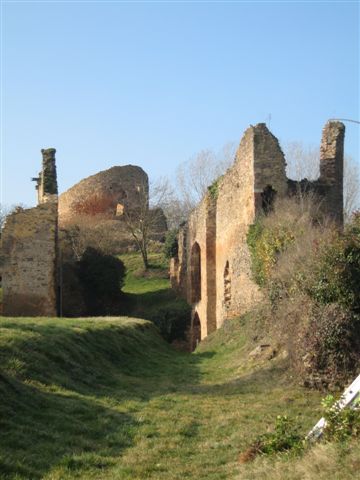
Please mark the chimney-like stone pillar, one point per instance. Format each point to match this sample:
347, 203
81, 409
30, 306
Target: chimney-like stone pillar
47, 183
332, 168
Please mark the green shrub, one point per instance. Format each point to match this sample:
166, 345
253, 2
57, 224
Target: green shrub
336, 277
172, 321
330, 345
213, 189
171, 244
285, 437
340, 424
265, 244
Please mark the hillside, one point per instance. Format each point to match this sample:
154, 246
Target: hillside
107, 398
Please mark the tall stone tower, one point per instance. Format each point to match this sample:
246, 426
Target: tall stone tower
47, 181
332, 169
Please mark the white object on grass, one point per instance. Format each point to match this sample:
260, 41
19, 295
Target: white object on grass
348, 399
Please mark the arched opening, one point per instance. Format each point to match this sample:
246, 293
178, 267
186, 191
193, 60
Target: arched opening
195, 270
227, 286
195, 332
267, 199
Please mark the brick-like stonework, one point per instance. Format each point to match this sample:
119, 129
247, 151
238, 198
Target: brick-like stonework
29, 251
108, 192
332, 168
220, 223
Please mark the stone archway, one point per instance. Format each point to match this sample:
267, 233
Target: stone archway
195, 270
195, 331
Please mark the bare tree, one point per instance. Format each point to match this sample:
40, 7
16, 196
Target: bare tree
194, 176
146, 220
6, 210
3, 214
351, 186
304, 162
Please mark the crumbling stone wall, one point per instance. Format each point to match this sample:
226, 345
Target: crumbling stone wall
29, 251
219, 225
108, 192
332, 169
47, 181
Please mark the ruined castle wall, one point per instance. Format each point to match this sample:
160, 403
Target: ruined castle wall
178, 265
197, 295
332, 169
269, 165
235, 212
106, 192
47, 180
29, 248
219, 225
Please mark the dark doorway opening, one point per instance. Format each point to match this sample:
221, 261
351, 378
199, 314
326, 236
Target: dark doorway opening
196, 332
267, 199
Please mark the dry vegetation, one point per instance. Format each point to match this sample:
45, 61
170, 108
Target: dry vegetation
310, 272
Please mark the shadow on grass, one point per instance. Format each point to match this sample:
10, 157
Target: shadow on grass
256, 382
41, 429
171, 314
70, 391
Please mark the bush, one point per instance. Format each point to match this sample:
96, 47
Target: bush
337, 269
284, 437
102, 277
340, 424
265, 245
311, 275
330, 346
172, 321
171, 244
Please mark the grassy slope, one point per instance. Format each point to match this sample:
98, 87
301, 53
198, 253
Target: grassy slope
149, 294
108, 399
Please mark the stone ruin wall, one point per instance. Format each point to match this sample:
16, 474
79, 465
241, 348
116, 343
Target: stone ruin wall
108, 192
29, 251
332, 170
220, 223
196, 294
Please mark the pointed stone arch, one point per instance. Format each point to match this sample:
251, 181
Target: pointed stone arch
195, 331
195, 270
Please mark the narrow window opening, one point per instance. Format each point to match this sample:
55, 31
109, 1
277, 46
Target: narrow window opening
267, 199
227, 286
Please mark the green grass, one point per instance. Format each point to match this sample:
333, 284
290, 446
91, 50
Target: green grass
149, 295
109, 399
157, 279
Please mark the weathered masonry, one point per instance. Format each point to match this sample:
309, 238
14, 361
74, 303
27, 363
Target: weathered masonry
212, 269
29, 250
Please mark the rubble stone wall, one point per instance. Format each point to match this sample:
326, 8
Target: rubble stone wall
219, 225
107, 192
29, 248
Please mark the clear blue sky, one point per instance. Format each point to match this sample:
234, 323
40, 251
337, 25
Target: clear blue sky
152, 83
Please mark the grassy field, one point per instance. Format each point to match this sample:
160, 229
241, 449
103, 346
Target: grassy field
107, 398
148, 294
